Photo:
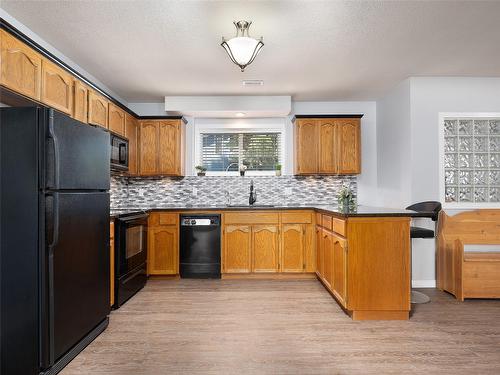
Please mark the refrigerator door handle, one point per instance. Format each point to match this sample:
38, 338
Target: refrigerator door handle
55, 226
55, 143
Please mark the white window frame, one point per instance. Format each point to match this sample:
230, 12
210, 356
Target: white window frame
275, 125
442, 117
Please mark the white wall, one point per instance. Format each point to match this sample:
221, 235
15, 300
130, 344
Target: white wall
408, 146
35, 37
393, 145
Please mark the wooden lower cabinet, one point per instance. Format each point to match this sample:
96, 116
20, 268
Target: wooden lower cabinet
339, 279
293, 247
265, 246
163, 250
319, 252
237, 249
327, 248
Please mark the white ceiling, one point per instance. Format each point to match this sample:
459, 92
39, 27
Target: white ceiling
314, 50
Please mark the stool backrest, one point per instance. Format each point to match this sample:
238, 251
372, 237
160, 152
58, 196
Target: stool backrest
432, 207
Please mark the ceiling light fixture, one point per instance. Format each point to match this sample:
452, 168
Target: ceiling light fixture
240, 114
242, 49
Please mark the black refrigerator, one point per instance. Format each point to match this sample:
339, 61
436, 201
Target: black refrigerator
54, 237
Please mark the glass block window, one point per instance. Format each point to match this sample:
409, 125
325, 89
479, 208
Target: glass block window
472, 160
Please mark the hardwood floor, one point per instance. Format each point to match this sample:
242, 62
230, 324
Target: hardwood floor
286, 327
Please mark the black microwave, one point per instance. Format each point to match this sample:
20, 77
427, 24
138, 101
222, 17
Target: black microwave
119, 153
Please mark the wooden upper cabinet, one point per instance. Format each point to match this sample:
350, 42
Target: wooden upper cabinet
80, 101
237, 249
327, 146
306, 146
328, 162
98, 109
169, 147
21, 67
131, 133
292, 253
349, 141
57, 87
148, 149
161, 147
265, 246
116, 119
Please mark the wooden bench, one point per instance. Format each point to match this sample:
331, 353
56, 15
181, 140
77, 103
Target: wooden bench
463, 273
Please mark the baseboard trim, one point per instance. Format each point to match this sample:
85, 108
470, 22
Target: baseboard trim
423, 283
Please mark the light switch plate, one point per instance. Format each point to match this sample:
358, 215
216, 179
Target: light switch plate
288, 191
195, 191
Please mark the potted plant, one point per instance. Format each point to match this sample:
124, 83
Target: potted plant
243, 168
278, 169
200, 169
346, 200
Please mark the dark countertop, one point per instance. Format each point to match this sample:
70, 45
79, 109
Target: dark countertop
359, 211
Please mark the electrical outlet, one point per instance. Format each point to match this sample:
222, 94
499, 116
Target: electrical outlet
288, 191
195, 191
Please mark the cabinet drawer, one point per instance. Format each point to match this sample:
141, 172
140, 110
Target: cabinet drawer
338, 225
251, 217
326, 222
168, 219
163, 218
296, 217
111, 230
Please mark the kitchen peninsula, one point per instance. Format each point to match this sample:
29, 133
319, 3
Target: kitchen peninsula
361, 256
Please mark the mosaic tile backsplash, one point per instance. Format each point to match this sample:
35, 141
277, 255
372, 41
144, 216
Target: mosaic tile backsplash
147, 192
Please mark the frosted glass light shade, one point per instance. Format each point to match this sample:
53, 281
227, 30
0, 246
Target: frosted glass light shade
242, 49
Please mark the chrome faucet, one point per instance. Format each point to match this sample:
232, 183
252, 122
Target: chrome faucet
253, 194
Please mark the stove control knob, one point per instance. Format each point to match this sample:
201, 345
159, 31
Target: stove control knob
193, 222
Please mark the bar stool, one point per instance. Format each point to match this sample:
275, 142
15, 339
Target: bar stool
431, 210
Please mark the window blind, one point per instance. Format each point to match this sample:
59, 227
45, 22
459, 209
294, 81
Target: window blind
222, 152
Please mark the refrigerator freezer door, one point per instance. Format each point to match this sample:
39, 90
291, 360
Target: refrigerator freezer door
77, 236
77, 155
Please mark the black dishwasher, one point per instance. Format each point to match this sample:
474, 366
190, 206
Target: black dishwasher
200, 246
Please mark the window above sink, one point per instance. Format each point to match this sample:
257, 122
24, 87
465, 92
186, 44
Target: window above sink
223, 147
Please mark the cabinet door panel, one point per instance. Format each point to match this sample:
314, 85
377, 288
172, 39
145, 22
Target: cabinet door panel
148, 151
131, 130
265, 246
349, 146
306, 146
98, 110
328, 147
237, 249
21, 67
309, 248
169, 152
57, 87
327, 247
319, 251
116, 119
292, 248
80, 101
340, 269
163, 248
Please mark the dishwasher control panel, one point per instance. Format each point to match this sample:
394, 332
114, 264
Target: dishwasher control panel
198, 220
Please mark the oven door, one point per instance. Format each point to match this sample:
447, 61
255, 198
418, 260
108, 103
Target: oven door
119, 153
131, 243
